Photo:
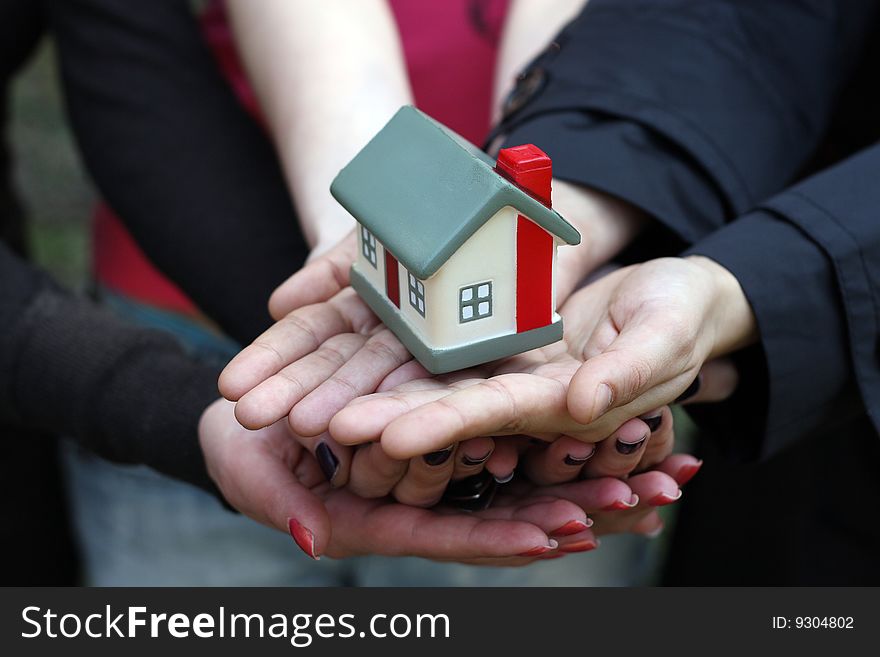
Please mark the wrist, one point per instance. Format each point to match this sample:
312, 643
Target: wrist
733, 319
607, 225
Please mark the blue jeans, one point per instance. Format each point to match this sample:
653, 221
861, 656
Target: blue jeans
136, 527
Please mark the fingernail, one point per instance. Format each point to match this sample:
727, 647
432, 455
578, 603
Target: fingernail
439, 457
469, 488
653, 422
621, 505
541, 549
471, 461
691, 390
629, 448
327, 460
604, 399
580, 546
505, 478
662, 499
571, 527
303, 536
579, 460
687, 472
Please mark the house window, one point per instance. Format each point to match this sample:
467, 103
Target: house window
417, 294
475, 302
368, 246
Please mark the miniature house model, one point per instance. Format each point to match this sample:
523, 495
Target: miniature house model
457, 253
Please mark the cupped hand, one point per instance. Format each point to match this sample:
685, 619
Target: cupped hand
533, 393
645, 332
267, 475
326, 348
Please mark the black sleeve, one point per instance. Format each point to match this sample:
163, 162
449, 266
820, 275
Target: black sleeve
692, 111
194, 178
809, 263
127, 393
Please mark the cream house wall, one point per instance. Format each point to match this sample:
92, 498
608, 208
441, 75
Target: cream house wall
489, 255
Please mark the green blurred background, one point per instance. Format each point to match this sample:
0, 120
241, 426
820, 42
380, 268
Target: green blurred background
50, 179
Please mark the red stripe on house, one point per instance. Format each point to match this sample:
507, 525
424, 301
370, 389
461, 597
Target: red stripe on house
530, 168
392, 278
534, 275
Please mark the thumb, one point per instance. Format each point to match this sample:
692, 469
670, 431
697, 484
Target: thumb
319, 280
643, 356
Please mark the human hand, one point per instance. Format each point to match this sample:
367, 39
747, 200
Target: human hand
529, 393
316, 312
645, 332
268, 476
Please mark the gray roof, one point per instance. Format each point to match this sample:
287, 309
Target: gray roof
423, 191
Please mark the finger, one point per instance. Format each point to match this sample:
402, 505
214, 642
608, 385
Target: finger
333, 459
655, 488
319, 280
557, 462
509, 404
275, 397
718, 380
471, 457
583, 541
594, 495
360, 375
364, 419
426, 478
503, 461
623, 522
659, 446
681, 467
373, 473
650, 525
409, 371
262, 486
292, 337
618, 455
372, 527
557, 517
642, 357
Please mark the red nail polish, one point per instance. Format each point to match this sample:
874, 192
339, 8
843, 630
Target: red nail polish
687, 472
541, 549
571, 527
620, 505
552, 556
303, 536
580, 546
662, 499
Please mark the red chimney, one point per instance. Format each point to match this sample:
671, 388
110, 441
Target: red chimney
529, 168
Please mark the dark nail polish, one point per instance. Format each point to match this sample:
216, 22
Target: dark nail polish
439, 457
474, 493
629, 448
691, 390
653, 422
470, 461
578, 460
327, 460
